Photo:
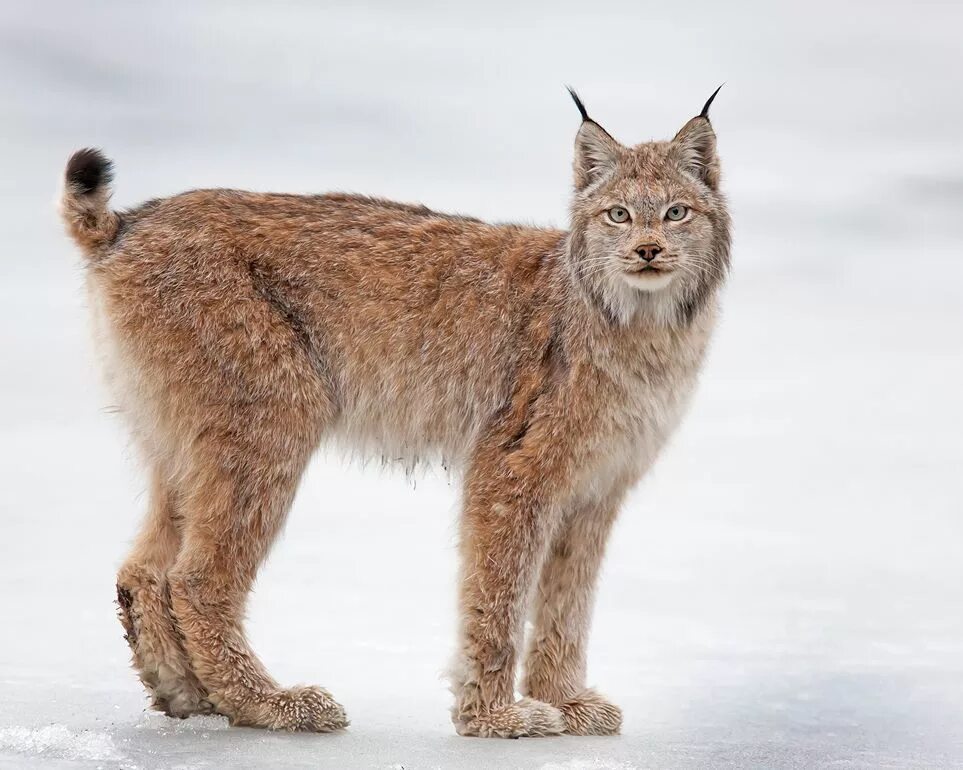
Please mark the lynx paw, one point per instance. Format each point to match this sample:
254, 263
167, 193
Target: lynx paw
157, 655
176, 696
527, 718
588, 713
300, 709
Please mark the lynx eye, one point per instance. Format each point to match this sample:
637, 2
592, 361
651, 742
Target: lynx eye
675, 213
618, 214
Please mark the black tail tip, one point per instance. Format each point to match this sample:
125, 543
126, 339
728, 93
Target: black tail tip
88, 170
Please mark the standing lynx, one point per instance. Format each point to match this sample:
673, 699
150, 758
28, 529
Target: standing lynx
240, 330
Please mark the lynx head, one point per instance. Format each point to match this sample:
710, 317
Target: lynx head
650, 231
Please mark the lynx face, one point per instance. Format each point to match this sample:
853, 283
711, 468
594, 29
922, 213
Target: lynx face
649, 226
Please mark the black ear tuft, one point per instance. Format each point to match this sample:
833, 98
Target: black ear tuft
705, 109
578, 103
88, 170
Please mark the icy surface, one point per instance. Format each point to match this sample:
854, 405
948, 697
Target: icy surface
57, 741
784, 591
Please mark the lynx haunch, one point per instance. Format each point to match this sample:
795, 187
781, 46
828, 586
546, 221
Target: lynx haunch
240, 330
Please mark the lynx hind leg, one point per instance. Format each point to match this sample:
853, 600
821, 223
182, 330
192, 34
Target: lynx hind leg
241, 482
555, 668
157, 650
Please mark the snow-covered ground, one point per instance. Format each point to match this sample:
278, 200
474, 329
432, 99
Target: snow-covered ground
786, 590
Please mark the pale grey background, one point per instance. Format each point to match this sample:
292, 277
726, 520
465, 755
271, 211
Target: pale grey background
784, 591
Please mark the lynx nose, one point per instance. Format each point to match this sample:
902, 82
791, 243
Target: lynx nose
648, 251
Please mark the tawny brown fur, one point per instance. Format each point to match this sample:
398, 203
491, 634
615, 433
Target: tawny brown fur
240, 330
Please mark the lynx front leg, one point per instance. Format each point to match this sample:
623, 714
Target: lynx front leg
556, 662
508, 521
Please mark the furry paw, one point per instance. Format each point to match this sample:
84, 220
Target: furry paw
156, 650
300, 709
177, 697
527, 718
588, 713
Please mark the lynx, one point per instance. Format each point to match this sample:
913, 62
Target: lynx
241, 330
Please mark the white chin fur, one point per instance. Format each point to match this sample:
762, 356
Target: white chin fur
648, 280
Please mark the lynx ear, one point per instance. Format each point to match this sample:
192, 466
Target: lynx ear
695, 147
596, 152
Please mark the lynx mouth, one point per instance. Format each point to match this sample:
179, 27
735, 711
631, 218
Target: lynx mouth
650, 270
649, 277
